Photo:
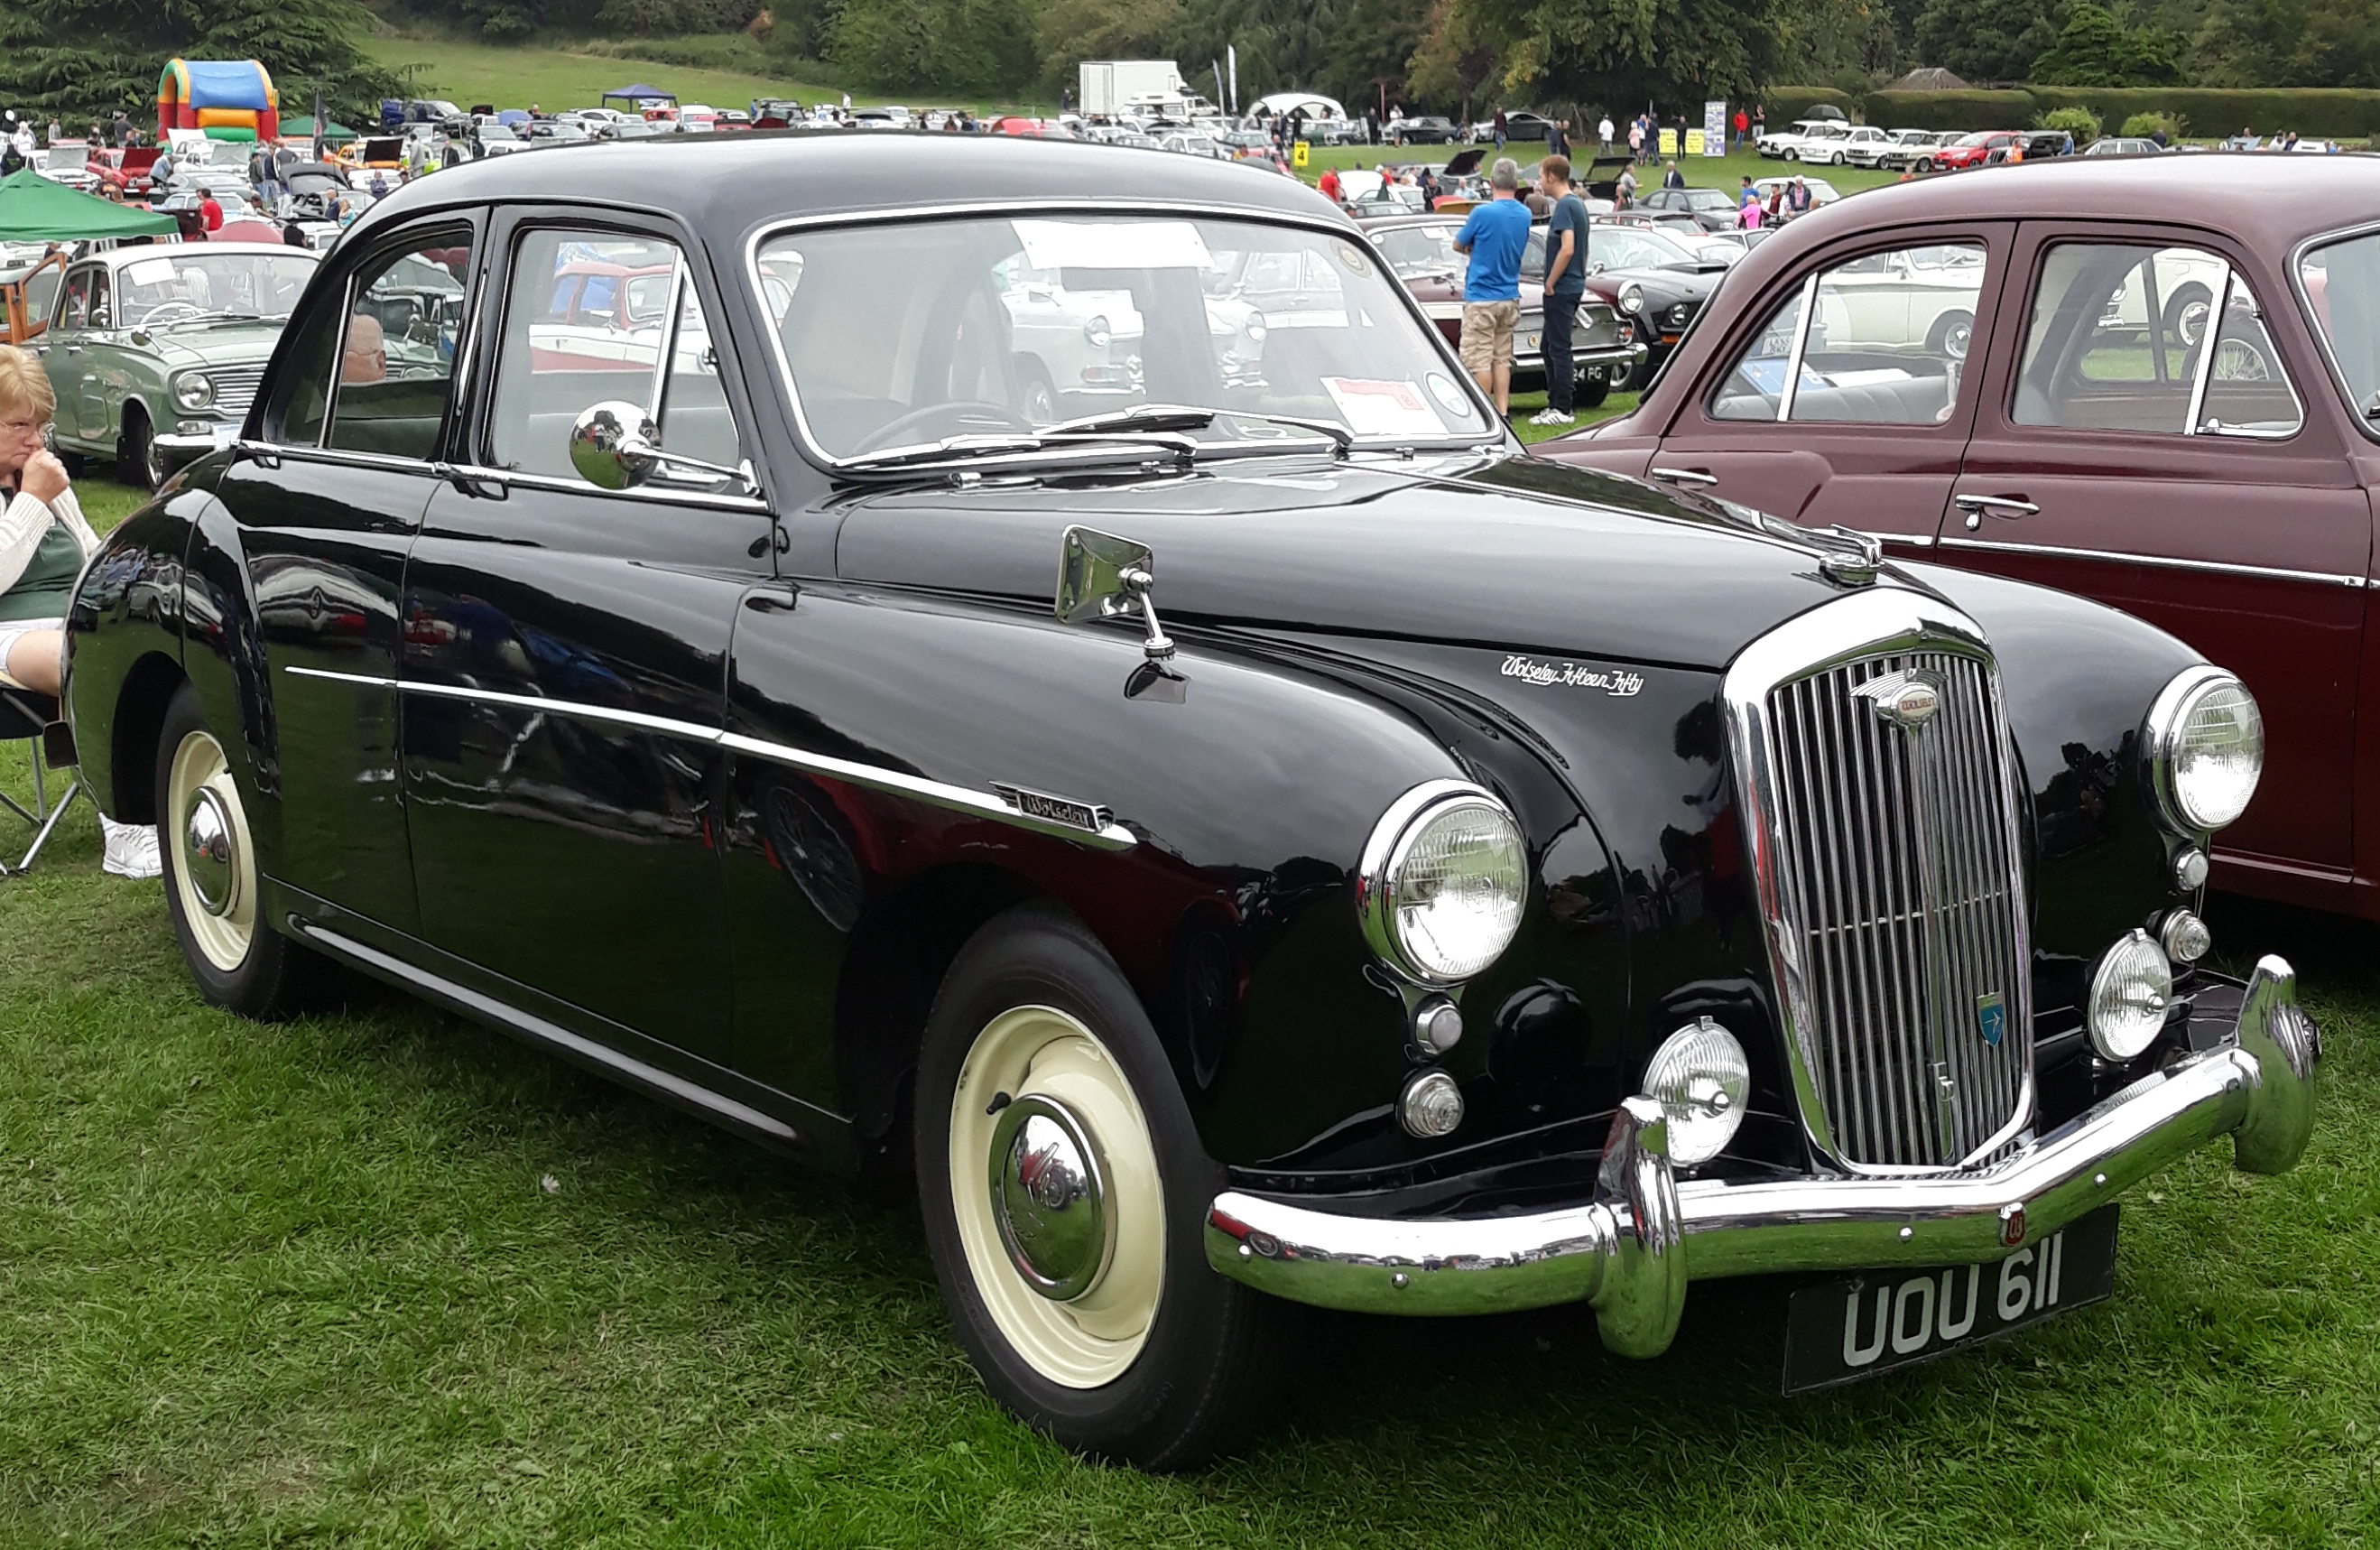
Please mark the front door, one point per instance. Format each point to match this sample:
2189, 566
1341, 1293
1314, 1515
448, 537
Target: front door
325, 518
83, 321
1847, 400
2144, 443
566, 649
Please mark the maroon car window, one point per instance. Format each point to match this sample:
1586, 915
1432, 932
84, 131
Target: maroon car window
1886, 342
2246, 392
2114, 334
2342, 288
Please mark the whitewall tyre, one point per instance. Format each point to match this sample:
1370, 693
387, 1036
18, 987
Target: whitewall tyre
1064, 1192
212, 889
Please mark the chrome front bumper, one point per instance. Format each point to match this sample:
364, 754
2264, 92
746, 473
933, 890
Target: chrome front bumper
1630, 1251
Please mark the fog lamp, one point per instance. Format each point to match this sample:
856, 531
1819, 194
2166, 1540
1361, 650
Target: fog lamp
2129, 996
1702, 1082
2185, 937
1431, 1106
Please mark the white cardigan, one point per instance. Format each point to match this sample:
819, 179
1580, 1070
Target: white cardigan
24, 523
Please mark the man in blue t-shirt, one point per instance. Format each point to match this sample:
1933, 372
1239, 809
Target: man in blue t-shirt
1565, 280
1495, 237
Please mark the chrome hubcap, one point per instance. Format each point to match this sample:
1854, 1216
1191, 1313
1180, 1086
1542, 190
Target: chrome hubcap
1050, 1198
209, 852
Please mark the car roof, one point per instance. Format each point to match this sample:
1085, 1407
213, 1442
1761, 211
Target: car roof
2235, 190
121, 256
769, 175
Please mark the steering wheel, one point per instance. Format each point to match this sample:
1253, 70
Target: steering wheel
160, 313
962, 416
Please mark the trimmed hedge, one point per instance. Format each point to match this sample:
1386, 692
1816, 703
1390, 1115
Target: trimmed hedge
2335, 113
1952, 110
1785, 103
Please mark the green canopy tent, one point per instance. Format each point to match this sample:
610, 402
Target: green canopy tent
302, 127
34, 209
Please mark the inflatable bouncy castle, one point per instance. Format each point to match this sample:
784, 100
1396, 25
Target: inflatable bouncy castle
223, 99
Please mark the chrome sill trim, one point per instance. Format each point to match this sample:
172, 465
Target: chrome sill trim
537, 1031
2162, 562
957, 799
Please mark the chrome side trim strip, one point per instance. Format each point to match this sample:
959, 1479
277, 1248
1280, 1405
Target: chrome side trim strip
2163, 562
536, 1030
958, 799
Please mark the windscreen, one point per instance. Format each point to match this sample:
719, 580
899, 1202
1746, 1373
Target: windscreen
2343, 287
188, 285
900, 336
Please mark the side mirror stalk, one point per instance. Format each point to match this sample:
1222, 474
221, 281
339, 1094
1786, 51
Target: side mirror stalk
1103, 577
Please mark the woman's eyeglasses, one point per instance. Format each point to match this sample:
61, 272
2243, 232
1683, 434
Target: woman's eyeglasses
26, 427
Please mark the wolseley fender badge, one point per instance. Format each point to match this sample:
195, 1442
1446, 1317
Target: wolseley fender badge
1908, 700
1090, 817
1617, 682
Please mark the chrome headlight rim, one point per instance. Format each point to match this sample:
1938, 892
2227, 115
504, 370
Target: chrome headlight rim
2137, 945
2168, 718
1384, 850
194, 390
1632, 298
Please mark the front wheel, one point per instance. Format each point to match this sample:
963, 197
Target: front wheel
138, 459
1925, 164
1065, 1191
1594, 387
1836, 160
238, 959
1952, 333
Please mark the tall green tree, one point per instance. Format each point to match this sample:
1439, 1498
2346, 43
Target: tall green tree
78, 59
1623, 53
2095, 49
956, 46
1986, 41
2293, 43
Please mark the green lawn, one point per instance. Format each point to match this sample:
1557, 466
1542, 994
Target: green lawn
1713, 172
381, 1278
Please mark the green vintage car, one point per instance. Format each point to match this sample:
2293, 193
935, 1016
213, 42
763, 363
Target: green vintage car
155, 351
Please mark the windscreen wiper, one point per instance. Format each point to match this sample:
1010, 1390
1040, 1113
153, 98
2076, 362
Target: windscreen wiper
980, 445
1188, 416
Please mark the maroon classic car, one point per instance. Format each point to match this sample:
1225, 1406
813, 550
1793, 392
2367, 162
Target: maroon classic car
2155, 383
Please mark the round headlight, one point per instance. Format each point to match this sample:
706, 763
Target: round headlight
1701, 1081
195, 391
1097, 331
1441, 882
2206, 745
1632, 298
2129, 996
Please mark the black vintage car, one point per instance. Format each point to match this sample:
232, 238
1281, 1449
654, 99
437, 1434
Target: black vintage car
1249, 833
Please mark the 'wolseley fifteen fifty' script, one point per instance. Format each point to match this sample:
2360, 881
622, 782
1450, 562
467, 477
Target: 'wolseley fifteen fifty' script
1572, 675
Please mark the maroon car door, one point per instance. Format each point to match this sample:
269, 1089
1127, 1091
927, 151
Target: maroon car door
2148, 439
1844, 398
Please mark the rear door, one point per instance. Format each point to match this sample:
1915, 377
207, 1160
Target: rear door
1844, 396
2145, 441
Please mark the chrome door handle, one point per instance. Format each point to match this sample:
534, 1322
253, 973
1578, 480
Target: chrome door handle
1685, 476
2008, 507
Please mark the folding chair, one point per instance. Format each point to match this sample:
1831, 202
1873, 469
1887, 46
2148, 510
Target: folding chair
34, 719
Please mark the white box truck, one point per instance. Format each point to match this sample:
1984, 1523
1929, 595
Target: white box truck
1109, 84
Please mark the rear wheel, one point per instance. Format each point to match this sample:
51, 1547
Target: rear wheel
238, 959
1951, 334
1925, 164
2186, 314
1835, 160
1064, 1192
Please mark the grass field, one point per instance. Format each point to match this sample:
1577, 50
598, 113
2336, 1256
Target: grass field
381, 1278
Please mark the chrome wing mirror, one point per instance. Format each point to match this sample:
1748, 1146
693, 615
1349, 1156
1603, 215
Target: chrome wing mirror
615, 446
1103, 577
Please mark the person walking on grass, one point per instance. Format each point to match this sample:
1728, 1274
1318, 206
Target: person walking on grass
1494, 236
1673, 179
1565, 283
1603, 132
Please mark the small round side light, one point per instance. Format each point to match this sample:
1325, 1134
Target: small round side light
2190, 869
1431, 1105
2185, 937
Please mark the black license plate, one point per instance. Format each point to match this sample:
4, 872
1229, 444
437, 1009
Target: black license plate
1844, 1331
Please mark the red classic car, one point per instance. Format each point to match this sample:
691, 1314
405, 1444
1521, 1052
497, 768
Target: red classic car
127, 170
1983, 148
2153, 383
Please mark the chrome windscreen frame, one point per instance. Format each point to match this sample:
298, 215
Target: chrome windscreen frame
1882, 620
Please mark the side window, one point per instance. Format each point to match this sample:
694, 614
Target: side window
396, 355
2119, 340
74, 311
588, 318
1886, 342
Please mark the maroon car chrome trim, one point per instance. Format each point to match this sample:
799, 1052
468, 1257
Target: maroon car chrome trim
2160, 562
959, 799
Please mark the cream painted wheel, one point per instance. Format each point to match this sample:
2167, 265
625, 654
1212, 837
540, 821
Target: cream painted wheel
214, 860
1074, 1338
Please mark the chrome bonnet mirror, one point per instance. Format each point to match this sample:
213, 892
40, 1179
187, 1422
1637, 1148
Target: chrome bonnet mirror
1103, 577
614, 444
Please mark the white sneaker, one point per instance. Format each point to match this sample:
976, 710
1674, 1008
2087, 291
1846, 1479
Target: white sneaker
131, 849
1553, 417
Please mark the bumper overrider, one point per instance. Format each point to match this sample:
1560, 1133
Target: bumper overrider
1630, 1251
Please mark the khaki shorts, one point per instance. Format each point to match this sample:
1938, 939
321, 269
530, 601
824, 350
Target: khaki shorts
1487, 334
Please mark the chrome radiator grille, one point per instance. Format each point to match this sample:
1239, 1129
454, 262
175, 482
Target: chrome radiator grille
1895, 906
235, 388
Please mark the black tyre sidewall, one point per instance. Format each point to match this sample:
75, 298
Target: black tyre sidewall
1188, 1391
132, 461
266, 985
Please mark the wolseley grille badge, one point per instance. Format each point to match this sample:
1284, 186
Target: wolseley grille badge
1908, 700
1991, 1018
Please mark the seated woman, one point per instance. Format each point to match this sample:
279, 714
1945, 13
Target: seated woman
44, 541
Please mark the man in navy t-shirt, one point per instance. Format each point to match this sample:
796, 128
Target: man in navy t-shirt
1565, 281
1495, 237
